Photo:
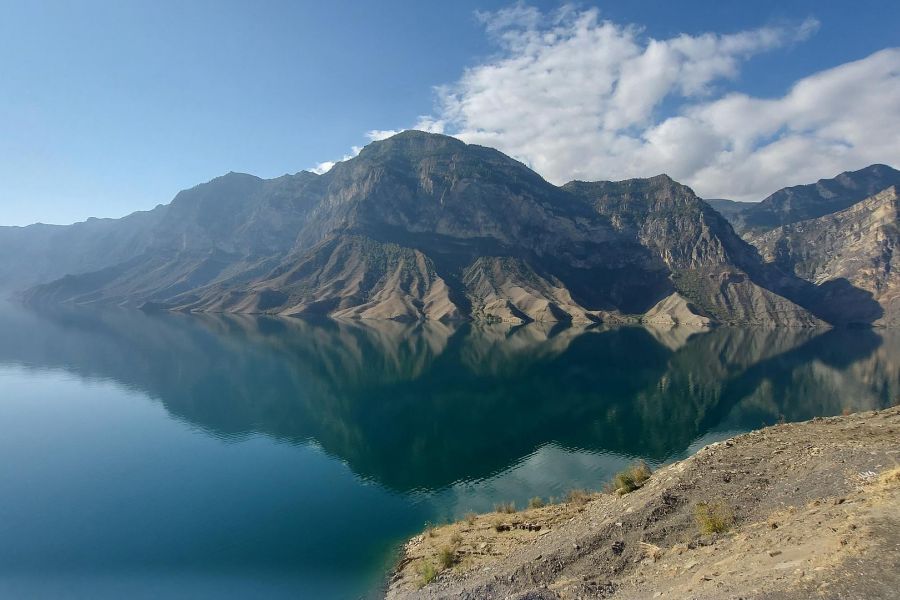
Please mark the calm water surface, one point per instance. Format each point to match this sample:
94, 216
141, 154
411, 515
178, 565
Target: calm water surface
204, 456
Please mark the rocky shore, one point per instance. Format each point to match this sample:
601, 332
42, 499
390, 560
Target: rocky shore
802, 510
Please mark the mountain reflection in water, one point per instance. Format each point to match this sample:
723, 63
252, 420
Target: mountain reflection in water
301, 452
419, 406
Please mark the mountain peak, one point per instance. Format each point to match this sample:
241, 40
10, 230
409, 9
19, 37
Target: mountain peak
873, 169
415, 141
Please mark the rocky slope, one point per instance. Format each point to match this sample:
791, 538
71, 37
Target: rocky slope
858, 247
718, 275
793, 511
423, 226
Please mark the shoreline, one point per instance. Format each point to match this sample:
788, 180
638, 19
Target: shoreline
789, 511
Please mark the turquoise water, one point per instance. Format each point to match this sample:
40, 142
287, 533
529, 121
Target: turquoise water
158, 455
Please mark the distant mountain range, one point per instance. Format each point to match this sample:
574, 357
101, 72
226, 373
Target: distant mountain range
423, 226
804, 202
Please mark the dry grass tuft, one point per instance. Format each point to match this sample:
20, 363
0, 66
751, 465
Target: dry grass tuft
505, 508
446, 557
426, 571
713, 517
536, 502
630, 479
578, 497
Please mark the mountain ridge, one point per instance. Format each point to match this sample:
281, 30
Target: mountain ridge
808, 201
424, 226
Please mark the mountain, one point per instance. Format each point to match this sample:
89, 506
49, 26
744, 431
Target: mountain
40, 253
858, 247
804, 202
713, 272
424, 226
728, 208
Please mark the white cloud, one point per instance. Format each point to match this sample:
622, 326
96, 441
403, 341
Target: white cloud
372, 135
375, 135
577, 97
324, 167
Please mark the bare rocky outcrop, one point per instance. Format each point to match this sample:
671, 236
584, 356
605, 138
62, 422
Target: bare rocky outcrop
792, 511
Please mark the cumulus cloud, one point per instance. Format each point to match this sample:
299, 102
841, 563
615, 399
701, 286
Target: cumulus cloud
578, 97
373, 135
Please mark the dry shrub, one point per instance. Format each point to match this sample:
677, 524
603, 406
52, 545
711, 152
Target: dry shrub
578, 497
713, 517
446, 557
630, 479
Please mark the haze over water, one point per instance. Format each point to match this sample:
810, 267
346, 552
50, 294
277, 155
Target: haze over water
150, 455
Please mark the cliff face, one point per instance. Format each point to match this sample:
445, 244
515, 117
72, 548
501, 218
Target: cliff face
858, 247
423, 226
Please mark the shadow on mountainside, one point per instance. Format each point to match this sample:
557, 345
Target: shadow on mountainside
837, 302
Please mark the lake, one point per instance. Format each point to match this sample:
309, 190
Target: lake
167, 455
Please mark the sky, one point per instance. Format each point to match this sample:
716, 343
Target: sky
107, 107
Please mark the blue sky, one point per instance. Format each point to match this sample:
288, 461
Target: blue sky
111, 107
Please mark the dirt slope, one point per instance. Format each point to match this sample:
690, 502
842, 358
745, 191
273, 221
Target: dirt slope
814, 511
